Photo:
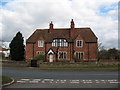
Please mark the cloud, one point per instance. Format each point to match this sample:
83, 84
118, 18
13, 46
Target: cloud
25, 16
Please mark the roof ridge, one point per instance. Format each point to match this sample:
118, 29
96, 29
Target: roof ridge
41, 29
66, 28
82, 28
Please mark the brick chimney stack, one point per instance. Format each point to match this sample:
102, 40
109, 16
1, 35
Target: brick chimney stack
72, 26
51, 27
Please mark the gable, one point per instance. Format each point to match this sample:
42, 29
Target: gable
86, 34
78, 37
50, 51
37, 35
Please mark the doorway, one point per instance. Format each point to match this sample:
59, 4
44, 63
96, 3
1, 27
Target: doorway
51, 58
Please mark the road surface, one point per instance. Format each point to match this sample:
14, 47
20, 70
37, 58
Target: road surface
32, 78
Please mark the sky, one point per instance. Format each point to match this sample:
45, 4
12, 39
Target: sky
27, 15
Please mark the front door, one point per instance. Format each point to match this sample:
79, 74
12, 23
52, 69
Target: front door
51, 58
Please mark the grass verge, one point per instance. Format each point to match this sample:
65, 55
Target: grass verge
6, 80
80, 68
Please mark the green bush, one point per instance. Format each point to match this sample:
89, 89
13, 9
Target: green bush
40, 57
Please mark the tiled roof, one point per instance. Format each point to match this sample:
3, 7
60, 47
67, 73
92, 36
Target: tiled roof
85, 33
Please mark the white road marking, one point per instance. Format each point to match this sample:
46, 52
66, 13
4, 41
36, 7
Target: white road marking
21, 81
43, 82
37, 79
63, 80
25, 79
114, 81
48, 79
33, 81
74, 82
84, 82
90, 80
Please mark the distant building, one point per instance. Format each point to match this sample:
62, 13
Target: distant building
63, 44
5, 51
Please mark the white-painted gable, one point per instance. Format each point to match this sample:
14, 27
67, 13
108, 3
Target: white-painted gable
50, 51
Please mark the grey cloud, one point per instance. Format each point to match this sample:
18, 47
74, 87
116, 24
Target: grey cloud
27, 16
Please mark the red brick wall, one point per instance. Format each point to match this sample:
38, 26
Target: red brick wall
36, 48
92, 50
29, 51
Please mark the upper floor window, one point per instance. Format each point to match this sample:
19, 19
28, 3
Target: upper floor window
40, 43
79, 43
59, 43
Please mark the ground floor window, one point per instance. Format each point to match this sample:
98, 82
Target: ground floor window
79, 55
40, 52
62, 55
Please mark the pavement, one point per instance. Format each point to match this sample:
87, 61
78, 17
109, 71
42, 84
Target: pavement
32, 78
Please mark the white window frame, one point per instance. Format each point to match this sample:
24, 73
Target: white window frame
81, 43
63, 57
80, 55
40, 43
40, 52
59, 43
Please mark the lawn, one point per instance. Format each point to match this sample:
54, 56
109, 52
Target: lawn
81, 68
6, 79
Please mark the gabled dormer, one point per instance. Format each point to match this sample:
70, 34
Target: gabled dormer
79, 42
59, 42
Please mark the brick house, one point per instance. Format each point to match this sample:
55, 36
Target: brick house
63, 44
5, 52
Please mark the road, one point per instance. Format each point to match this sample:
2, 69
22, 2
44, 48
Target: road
32, 78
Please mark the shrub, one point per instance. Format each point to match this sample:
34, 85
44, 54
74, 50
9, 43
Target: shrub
40, 57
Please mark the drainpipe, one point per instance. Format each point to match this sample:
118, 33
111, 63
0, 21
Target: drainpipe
57, 54
45, 53
33, 50
88, 53
70, 52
